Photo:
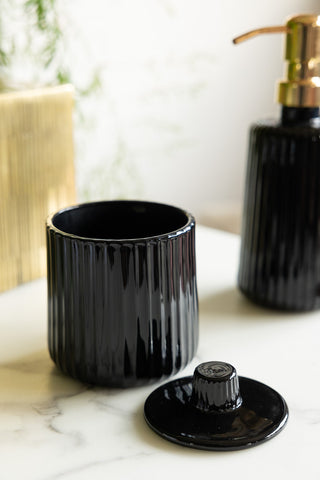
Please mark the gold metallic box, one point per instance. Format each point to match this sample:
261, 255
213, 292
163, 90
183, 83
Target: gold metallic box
36, 176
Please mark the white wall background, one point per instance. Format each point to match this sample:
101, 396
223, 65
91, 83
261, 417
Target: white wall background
172, 120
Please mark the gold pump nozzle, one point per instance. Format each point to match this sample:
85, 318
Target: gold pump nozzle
302, 85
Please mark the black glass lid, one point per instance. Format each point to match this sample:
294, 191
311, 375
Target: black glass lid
216, 410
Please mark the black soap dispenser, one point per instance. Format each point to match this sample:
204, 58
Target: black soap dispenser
280, 241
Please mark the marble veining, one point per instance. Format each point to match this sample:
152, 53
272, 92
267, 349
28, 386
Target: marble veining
53, 427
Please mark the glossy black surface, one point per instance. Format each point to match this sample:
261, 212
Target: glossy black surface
215, 387
122, 310
237, 412
280, 241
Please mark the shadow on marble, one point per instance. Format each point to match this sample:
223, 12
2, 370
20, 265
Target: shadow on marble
231, 302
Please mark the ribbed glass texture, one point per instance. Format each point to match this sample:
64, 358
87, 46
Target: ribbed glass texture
280, 248
122, 313
215, 387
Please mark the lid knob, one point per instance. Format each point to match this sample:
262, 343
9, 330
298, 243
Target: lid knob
215, 387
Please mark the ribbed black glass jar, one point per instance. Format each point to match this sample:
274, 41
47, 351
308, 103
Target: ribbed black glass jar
122, 294
280, 247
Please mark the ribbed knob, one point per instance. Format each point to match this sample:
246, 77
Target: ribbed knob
215, 387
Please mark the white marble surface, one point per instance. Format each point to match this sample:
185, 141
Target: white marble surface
52, 427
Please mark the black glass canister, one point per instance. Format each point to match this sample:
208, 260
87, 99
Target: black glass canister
280, 241
122, 293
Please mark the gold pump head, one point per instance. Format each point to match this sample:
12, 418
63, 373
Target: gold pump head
301, 88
